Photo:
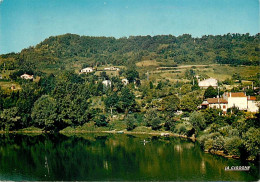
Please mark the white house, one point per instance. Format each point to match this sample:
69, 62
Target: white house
236, 99
229, 100
125, 81
208, 82
111, 69
252, 104
26, 76
107, 83
87, 70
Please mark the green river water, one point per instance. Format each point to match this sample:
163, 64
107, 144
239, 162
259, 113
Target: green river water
106, 157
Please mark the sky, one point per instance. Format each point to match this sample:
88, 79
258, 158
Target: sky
25, 23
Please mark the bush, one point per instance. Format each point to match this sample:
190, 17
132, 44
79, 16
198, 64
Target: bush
169, 125
218, 143
225, 130
232, 145
149, 116
156, 123
214, 136
181, 129
208, 145
130, 123
233, 132
197, 120
101, 120
251, 140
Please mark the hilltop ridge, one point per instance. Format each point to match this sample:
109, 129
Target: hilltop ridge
68, 49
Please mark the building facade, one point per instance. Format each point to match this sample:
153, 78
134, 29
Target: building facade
229, 100
237, 99
208, 82
87, 70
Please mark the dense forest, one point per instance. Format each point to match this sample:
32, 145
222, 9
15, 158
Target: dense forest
57, 51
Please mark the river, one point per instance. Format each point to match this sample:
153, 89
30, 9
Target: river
113, 157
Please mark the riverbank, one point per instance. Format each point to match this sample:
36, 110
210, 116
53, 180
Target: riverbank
69, 131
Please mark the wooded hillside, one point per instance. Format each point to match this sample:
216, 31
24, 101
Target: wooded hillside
59, 51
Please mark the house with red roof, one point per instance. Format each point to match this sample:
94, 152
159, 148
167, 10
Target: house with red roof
229, 100
236, 99
216, 103
252, 104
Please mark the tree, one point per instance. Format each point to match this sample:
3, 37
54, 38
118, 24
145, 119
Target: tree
130, 122
210, 92
159, 85
198, 121
149, 116
190, 102
44, 112
101, 120
232, 145
132, 75
152, 119
251, 140
127, 100
103, 75
170, 103
9, 119
151, 84
156, 123
111, 101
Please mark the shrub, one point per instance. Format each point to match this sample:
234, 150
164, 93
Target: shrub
156, 123
169, 125
101, 120
218, 143
233, 132
251, 140
217, 140
213, 128
208, 145
149, 116
232, 145
182, 129
130, 123
225, 130
197, 120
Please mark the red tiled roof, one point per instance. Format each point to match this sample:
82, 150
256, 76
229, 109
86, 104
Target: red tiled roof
216, 100
251, 98
235, 94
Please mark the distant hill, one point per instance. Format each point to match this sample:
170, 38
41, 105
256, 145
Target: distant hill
65, 50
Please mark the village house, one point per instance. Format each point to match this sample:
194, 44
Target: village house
26, 76
215, 103
252, 104
111, 69
229, 100
125, 81
236, 99
107, 83
87, 70
208, 82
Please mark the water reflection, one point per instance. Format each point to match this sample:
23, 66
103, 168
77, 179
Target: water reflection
111, 157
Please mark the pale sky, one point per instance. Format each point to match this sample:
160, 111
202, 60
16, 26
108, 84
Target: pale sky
25, 23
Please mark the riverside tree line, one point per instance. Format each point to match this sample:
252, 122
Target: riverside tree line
68, 100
